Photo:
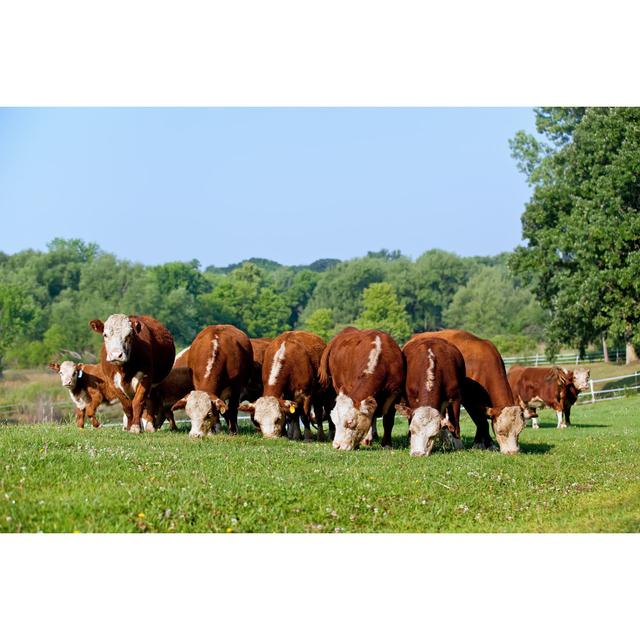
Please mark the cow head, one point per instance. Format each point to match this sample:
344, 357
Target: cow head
352, 424
69, 373
425, 424
117, 332
203, 410
581, 378
507, 424
269, 414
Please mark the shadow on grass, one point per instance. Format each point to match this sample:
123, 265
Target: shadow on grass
536, 448
550, 425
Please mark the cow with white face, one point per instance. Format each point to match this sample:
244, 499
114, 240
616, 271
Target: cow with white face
203, 411
366, 371
137, 353
290, 387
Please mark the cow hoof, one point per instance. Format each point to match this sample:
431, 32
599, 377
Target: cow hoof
134, 428
457, 444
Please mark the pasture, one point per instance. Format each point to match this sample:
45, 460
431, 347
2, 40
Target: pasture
56, 478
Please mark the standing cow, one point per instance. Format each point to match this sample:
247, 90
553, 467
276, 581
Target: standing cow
486, 391
433, 391
137, 353
366, 370
220, 360
553, 387
87, 387
291, 386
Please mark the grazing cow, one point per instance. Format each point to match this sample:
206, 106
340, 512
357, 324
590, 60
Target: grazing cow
486, 390
137, 354
366, 370
291, 386
553, 387
433, 392
220, 360
87, 387
175, 386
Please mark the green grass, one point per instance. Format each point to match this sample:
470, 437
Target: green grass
585, 478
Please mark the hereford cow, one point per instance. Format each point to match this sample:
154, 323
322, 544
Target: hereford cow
291, 386
175, 386
553, 387
366, 370
220, 360
137, 354
87, 387
433, 392
486, 391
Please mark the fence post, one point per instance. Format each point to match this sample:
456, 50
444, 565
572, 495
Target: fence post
593, 395
577, 357
537, 355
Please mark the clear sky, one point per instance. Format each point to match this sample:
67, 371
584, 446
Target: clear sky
289, 184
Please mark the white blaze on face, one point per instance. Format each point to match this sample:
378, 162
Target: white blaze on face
352, 424
425, 426
118, 334
374, 356
507, 427
581, 379
269, 416
276, 365
212, 359
68, 374
199, 410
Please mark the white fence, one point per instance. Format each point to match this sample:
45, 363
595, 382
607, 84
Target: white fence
614, 393
540, 359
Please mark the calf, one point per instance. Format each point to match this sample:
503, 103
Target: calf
366, 370
553, 387
486, 391
169, 391
137, 354
220, 360
433, 391
291, 386
87, 387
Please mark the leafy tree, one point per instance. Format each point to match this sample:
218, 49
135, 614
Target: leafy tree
582, 225
382, 310
321, 323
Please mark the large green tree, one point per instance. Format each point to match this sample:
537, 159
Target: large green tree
582, 224
381, 309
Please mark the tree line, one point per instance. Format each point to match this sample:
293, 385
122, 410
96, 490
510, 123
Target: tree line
47, 298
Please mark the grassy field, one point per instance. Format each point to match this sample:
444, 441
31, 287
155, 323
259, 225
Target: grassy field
56, 478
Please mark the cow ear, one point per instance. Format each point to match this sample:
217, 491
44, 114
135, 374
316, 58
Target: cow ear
180, 404
491, 412
405, 411
220, 405
137, 326
247, 407
289, 406
97, 325
368, 406
55, 366
522, 403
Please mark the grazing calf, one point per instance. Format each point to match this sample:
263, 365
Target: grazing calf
175, 386
87, 387
553, 387
220, 360
137, 353
486, 390
366, 370
291, 386
433, 391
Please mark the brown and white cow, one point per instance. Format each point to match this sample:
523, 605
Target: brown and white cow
433, 392
254, 389
220, 360
553, 387
290, 386
366, 370
87, 387
486, 391
174, 387
137, 354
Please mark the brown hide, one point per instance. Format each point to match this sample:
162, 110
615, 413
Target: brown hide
152, 354
547, 383
224, 375
174, 387
259, 346
435, 377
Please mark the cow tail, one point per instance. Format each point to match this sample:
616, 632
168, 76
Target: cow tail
324, 377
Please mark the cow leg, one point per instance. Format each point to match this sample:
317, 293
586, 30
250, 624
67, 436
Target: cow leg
561, 424
91, 414
453, 411
80, 418
387, 424
138, 406
306, 421
294, 427
231, 416
482, 439
318, 411
374, 431
172, 420
534, 422
148, 420
567, 416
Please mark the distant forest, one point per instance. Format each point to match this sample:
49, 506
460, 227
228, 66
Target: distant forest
48, 297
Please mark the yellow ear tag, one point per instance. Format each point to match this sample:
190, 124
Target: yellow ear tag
292, 409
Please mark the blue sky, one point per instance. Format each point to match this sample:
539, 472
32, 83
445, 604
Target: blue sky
289, 184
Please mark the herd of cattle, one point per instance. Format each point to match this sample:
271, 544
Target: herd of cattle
359, 376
